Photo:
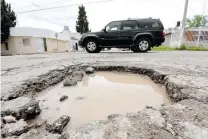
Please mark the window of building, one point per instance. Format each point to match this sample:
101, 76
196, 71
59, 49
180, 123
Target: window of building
6, 46
114, 26
129, 25
26, 41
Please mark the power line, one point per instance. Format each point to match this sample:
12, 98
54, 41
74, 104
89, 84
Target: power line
46, 3
36, 5
92, 2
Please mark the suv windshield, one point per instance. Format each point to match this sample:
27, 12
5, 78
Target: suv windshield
113, 26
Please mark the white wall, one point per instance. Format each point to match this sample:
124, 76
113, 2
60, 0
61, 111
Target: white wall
37, 32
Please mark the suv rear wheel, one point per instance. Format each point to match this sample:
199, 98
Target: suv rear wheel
134, 49
92, 46
143, 44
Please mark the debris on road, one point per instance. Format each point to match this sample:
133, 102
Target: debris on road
79, 98
89, 70
62, 98
69, 81
58, 125
36, 134
20, 108
9, 119
78, 75
14, 129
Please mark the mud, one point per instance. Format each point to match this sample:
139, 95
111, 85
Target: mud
100, 95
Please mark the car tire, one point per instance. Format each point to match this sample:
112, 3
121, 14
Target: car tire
134, 49
92, 46
99, 50
143, 44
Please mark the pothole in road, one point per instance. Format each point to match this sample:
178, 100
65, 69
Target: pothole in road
99, 95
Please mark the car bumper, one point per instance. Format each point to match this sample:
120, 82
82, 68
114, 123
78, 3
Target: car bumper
159, 41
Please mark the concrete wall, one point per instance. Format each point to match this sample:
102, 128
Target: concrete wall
11, 46
52, 45
167, 40
16, 46
38, 33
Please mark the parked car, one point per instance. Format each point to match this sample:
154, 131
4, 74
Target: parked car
139, 35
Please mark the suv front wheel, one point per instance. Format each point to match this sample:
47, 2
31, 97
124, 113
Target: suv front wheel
143, 44
92, 46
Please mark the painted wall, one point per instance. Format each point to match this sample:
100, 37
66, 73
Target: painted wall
52, 45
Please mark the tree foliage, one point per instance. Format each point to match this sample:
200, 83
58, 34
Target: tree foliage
197, 21
8, 19
82, 24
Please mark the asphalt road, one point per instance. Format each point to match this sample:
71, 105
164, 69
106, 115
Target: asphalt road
16, 69
186, 75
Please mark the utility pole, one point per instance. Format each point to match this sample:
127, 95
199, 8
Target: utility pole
56, 35
183, 23
200, 28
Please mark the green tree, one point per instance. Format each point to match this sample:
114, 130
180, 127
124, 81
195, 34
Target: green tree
82, 25
197, 21
8, 19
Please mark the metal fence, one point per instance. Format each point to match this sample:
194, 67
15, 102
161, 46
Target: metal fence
195, 37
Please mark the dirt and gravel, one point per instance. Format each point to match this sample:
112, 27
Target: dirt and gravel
184, 75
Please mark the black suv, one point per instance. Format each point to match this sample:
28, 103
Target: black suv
140, 35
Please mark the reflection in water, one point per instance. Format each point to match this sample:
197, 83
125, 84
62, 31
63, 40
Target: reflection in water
103, 94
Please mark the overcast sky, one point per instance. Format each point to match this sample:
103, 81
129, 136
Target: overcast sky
100, 14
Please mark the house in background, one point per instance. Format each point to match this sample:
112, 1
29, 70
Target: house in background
27, 40
190, 37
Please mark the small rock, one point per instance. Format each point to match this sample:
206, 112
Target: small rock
79, 98
36, 134
89, 70
61, 68
63, 98
69, 81
58, 125
175, 95
169, 129
2, 123
15, 129
20, 108
9, 119
78, 75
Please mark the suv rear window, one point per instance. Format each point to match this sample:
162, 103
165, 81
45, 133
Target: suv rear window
150, 23
129, 25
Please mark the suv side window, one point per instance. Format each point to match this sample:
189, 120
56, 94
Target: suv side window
129, 25
114, 26
151, 24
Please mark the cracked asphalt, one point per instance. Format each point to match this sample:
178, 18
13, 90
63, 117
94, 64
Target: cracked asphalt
186, 80
193, 65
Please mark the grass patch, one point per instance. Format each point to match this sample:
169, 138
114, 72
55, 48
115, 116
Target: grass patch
183, 47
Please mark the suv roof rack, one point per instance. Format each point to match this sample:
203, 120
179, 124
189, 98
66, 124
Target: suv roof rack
142, 18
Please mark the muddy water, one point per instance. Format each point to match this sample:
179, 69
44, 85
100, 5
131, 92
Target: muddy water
100, 95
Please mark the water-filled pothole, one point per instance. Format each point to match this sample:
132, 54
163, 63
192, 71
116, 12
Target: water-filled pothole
100, 95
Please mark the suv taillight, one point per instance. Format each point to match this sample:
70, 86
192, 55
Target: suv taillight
163, 34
